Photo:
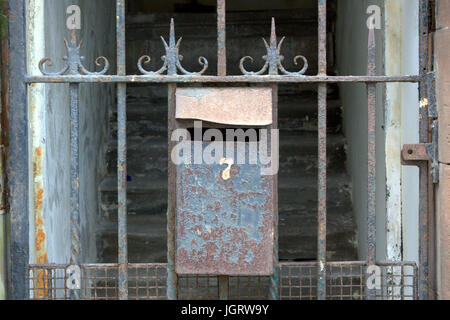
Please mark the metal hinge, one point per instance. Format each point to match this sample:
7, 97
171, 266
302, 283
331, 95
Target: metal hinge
414, 154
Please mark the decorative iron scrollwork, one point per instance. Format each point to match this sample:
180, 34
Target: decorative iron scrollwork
274, 58
172, 59
73, 60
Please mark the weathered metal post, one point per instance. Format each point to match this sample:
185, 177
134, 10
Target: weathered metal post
122, 153
222, 71
371, 153
322, 171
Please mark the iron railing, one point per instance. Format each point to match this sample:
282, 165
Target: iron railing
312, 280
298, 281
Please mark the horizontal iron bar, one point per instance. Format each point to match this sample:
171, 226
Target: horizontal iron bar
220, 79
302, 263
354, 263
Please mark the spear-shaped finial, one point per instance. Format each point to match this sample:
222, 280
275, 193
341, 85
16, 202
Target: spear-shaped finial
73, 60
273, 35
273, 58
172, 57
172, 34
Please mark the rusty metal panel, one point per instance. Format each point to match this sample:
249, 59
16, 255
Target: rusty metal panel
224, 219
233, 106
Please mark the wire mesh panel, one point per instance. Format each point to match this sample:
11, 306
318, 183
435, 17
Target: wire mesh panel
98, 282
47, 282
349, 281
298, 281
147, 281
249, 288
204, 287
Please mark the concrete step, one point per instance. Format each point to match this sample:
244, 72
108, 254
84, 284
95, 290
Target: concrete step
145, 156
147, 239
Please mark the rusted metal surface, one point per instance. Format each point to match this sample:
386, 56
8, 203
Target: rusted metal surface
274, 289
220, 79
221, 38
75, 229
234, 106
322, 167
273, 58
224, 225
322, 191
222, 71
122, 153
73, 66
101, 281
424, 205
322, 29
346, 281
415, 152
172, 277
172, 59
371, 156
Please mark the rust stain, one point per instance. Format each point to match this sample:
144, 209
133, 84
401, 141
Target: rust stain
235, 106
39, 200
228, 230
37, 167
41, 281
40, 238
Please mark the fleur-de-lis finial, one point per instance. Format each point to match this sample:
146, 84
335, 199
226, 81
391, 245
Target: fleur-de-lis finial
172, 59
73, 60
274, 58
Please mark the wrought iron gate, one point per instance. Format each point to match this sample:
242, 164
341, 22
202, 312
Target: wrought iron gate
290, 280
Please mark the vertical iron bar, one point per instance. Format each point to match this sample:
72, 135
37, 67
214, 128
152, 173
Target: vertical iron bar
371, 154
274, 293
273, 70
222, 71
13, 64
172, 278
322, 138
74, 181
122, 153
221, 39
424, 166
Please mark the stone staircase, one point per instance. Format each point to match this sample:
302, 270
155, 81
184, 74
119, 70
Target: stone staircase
297, 192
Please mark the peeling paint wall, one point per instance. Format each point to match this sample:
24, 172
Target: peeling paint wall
397, 121
49, 124
351, 52
410, 129
393, 129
